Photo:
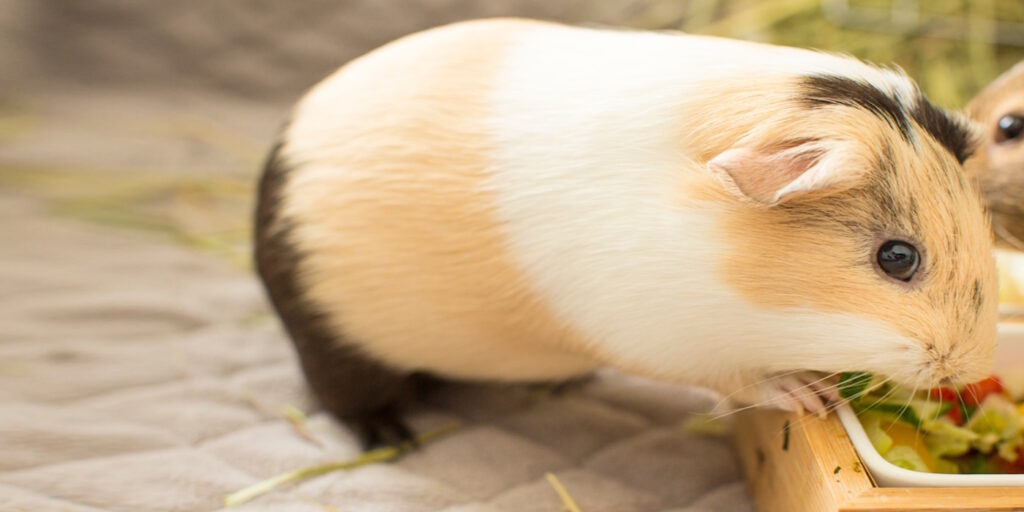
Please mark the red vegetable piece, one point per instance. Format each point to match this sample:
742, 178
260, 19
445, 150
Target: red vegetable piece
943, 394
974, 394
1005, 466
1018, 465
955, 415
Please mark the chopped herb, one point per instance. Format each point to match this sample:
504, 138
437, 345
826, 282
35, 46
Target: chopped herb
785, 436
904, 413
853, 384
965, 411
836, 470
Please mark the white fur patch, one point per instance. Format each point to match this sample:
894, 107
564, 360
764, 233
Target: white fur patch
584, 172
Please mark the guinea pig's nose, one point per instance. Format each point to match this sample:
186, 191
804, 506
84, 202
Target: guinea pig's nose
941, 369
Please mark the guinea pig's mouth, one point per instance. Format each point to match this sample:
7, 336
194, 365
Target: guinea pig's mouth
802, 391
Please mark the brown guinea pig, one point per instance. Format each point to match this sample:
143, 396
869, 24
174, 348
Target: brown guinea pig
999, 163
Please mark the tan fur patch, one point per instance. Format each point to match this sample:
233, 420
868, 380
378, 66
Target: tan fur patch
713, 122
818, 252
403, 250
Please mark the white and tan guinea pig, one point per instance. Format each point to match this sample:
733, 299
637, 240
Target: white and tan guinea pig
525, 201
999, 163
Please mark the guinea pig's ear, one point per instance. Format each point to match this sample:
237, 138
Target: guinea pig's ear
774, 175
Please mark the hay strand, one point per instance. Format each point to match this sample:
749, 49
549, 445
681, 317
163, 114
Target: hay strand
568, 503
375, 456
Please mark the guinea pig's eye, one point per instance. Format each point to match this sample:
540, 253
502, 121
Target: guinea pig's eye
1010, 127
898, 259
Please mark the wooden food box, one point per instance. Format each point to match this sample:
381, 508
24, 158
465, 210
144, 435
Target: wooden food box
814, 468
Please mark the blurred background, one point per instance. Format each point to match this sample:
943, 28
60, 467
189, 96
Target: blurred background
154, 116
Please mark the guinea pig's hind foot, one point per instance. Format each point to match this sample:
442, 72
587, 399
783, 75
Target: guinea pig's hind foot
382, 427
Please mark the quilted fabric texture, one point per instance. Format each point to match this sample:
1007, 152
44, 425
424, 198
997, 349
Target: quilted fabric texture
139, 376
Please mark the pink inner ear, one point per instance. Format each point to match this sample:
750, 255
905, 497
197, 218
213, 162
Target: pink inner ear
761, 174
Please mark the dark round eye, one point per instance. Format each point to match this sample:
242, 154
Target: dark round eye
898, 259
1010, 127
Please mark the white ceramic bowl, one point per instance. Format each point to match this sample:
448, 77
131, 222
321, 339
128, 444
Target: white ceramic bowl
1010, 352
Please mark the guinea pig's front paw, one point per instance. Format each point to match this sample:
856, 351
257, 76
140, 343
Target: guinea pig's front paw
802, 392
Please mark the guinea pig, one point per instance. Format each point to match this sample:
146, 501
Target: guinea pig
522, 201
999, 164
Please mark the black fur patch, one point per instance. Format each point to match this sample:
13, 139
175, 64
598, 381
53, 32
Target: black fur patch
951, 133
822, 90
350, 385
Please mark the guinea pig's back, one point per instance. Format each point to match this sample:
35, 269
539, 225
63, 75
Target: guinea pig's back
386, 199
487, 198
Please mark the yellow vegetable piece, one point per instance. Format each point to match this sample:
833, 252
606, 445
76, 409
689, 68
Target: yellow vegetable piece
905, 435
906, 457
873, 428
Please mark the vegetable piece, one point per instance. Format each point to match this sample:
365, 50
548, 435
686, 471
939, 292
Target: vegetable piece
853, 384
943, 394
1008, 450
946, 466
958, 415
911, 411
906, 457
998, 427
928, 410
976, 393
982, 464
978, 429
1016, 466
897, 412
879, 439
946, 440
906, 435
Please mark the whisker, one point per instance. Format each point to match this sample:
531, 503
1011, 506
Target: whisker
962, 404
762, 403
920, 423
754, 384
835, 404
797, 390
730, 412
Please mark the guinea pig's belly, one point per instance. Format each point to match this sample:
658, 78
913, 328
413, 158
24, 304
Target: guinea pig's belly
418, 315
